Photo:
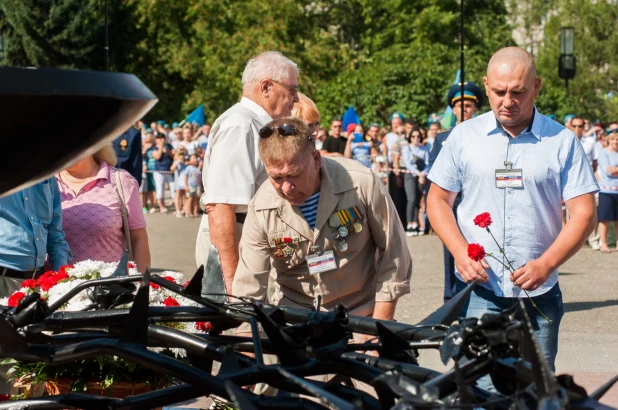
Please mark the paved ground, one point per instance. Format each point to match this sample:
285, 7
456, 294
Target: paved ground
588, 346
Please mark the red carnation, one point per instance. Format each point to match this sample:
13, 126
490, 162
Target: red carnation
186, 283
16, 298
171, 302
47, 283
47, 274
476, 252
61, 275
154, 286
131, 265
483, 220
63, 269
29, 283
169, 278
203, 326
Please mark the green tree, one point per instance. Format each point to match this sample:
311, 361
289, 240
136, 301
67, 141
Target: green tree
596, 51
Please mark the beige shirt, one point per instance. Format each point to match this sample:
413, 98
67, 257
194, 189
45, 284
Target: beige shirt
377, 265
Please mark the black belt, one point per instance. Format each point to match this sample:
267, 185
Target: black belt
17, 274
240, 218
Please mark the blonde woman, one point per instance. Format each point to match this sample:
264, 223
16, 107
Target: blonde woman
91, 210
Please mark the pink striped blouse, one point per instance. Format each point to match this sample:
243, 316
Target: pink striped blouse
92, 221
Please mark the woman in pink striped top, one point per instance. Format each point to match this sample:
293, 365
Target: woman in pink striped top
91, 210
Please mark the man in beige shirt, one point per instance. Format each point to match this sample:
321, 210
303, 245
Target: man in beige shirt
322, 227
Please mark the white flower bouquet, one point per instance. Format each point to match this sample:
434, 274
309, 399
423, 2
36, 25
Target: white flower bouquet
106, 371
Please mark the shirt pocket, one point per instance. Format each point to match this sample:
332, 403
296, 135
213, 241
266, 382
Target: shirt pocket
287, 248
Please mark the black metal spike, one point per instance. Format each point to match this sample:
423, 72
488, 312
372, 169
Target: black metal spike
239, 396
286, 349
394, 347
229, 363
324, 396
135, 330
449, 312
604, 388
194, 288
545, 381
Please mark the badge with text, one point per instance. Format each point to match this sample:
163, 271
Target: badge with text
509, 178
321, 263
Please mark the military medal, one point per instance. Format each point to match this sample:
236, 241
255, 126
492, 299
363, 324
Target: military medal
357, 227
342, 246
334, 221
343, 231
285, 247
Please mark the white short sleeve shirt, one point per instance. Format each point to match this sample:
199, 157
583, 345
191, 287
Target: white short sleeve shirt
233, 170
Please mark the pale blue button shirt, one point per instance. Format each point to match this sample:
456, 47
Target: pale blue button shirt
31, 228
526, 221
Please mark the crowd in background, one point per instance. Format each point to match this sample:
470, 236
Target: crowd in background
398, 154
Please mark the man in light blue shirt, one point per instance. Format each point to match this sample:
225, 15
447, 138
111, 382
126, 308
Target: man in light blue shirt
30, 230
547, 164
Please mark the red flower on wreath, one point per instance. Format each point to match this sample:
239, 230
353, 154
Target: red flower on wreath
483, 220
154, 286
171, 302
203, 326
16, 298
186, 283
476, 252
169, 278
131, 265
29, 283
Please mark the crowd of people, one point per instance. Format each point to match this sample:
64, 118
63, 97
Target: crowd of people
303, 215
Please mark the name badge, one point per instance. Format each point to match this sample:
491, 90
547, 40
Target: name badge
321, 263
509, 178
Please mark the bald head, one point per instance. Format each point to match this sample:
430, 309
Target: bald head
512, 86
509, 59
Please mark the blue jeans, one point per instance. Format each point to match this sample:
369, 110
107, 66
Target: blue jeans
483, 300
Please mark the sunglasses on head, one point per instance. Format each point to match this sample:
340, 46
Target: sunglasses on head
284, 130
612, 131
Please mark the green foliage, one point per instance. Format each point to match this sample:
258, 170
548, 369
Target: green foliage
596, 51
378, 55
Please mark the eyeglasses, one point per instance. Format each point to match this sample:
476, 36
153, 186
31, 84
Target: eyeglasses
284, 130
293, 90
577, 125
612, 131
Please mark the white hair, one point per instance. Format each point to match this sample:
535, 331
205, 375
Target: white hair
268, 65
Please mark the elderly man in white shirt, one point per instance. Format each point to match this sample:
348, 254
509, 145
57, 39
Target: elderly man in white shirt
233, 170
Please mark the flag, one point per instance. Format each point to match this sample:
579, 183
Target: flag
449, 120
197, 116
350, 117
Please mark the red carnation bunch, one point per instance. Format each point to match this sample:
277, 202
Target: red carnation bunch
171, 302
29, 283
50, 279
483, 220
476, 252
203, 326
169, 278
16, 298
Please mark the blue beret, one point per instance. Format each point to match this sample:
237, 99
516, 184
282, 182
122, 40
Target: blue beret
399, 115
160, 122
568, 117
471, 92
174, 124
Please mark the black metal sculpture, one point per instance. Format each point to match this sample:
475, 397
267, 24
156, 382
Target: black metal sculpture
307, 343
